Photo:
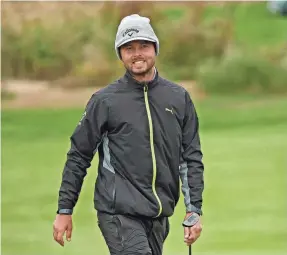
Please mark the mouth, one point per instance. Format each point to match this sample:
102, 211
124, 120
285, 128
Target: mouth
138, 62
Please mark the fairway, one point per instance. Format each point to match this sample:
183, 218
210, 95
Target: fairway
244, 141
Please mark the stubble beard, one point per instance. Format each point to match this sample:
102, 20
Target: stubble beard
147, 71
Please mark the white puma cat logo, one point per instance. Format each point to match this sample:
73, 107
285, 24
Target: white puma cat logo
169, 110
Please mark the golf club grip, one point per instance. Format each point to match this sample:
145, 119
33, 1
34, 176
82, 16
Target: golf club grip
189, 249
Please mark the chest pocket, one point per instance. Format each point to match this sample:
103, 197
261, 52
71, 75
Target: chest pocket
167, 122
172, 122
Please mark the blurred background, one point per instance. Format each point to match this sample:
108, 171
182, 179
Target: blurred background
230, 56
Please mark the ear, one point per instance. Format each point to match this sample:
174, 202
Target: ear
120, 55
154, 45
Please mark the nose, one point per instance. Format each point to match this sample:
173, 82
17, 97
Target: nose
137, 52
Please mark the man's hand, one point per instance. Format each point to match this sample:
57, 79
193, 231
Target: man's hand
62, 224
191, 234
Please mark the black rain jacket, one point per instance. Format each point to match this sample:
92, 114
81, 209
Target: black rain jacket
146, 135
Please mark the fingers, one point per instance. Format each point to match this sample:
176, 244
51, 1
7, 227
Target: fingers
58, 235
186, 233
55, 233
69, 232
191, 237
191, 234
62, 224
60, 239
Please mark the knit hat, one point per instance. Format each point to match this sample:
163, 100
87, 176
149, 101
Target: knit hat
135, 27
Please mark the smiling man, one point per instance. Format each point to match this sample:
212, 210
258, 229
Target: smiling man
139, 58
145, 129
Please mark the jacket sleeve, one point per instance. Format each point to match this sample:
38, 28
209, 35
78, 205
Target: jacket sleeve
191, 168
84, 142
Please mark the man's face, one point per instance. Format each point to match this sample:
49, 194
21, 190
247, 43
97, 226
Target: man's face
138, 57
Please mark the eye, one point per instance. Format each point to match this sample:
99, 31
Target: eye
128, 47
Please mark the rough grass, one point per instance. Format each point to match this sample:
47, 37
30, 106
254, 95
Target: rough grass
254, 25
62, 40
244, 142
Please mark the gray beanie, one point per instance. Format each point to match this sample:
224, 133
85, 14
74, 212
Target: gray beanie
135, 27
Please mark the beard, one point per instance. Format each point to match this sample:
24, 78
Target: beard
141, 70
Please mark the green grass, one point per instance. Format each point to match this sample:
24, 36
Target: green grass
254, 24
244, 144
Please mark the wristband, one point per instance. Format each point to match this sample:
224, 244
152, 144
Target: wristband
65, 211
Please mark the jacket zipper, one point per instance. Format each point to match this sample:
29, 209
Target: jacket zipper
152, 147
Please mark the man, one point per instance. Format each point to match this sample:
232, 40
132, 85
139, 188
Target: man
145, 129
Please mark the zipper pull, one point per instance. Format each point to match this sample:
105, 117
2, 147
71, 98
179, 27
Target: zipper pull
145, 88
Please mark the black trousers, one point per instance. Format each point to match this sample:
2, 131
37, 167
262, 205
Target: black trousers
126, 235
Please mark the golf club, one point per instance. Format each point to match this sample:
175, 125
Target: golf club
190, 221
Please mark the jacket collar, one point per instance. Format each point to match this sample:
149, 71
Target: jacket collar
131, 81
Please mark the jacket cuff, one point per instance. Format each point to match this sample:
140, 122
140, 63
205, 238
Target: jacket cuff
65, 211
192, 208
